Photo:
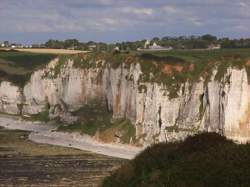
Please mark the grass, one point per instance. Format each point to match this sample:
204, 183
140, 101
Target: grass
92, 117
95, 118
171, 68
17, 67
192, 65
41, 116
128, 131
26, 60
51, 51
205, 160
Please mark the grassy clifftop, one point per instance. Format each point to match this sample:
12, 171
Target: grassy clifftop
17, 67
171, 68
186, 61
203, 160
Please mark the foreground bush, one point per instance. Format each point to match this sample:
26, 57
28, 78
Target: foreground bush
204, 160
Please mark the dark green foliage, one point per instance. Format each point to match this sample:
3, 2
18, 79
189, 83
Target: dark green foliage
161, 58
204, 160
235, 43
55, 44
42, 116
181, 42
18, 80
209, 37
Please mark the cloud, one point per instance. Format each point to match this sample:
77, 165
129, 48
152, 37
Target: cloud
170, 9
138, 11
123, 19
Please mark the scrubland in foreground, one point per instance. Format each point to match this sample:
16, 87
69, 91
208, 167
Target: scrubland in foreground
204, 160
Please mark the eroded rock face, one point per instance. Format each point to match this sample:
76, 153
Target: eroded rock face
218, 106
10, 98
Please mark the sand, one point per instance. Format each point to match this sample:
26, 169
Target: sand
45, 133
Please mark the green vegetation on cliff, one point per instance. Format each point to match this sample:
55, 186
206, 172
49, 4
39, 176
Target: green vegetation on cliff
170, 68
41, 116
204, 160
97, 121
174, 68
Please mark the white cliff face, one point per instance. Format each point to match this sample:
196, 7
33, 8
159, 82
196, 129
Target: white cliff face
218, 106
74, 87
236, 108
10, 98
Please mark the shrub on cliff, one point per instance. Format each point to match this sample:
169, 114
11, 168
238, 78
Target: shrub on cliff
204, 160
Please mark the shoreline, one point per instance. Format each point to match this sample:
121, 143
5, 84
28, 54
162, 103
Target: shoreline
45, 133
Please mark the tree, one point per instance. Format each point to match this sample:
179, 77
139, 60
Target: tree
54, 44
209, 38
71, 43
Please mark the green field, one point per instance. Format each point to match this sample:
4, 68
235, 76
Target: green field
201, 55
17, 67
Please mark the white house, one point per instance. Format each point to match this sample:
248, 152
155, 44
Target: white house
13, 46
214, 46
154, 47
116, 48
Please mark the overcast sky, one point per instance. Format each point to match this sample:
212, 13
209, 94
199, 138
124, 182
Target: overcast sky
31, 21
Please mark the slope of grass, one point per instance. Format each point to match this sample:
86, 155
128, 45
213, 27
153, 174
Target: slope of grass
204, 160
17, 67
26, 60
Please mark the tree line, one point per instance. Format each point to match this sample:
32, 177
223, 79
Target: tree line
181, 42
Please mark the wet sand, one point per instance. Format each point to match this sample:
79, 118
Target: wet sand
25, 163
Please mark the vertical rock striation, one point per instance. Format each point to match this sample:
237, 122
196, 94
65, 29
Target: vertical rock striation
217, 105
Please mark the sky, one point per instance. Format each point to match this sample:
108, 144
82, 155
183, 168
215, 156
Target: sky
36, 21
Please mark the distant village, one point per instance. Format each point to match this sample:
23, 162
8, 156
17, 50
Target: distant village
7, 44
156, 47
198, 43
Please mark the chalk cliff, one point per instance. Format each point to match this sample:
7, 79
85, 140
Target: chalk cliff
202, 105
